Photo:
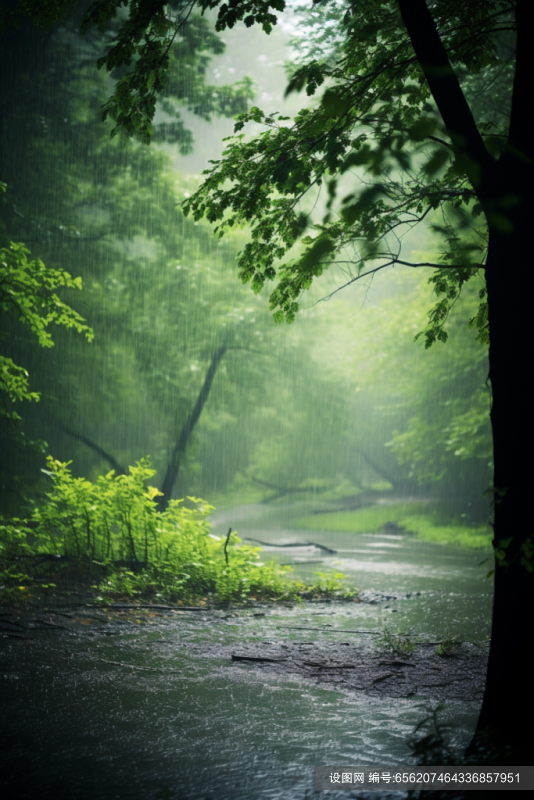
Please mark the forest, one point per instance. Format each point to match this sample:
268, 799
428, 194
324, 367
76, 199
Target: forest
263, 382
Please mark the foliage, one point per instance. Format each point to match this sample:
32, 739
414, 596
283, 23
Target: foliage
400, 643
376, 116
433, 411
330, 584
364, 520
395, 120
428, 529
432, 445
432, 742
525, 554
44, 14
112, 527
161, 297
415, 518
28, 290
429, 741
448, 646
156, 287
169, 50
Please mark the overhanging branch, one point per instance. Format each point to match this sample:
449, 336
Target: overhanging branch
119, 469
446, 90
393, 262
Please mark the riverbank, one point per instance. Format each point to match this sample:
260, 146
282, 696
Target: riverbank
233, 704
375, 663
106, 702
401, 517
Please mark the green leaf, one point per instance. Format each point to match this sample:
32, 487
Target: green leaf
335, 103
352, 211
321, 248
436, 162
422, 129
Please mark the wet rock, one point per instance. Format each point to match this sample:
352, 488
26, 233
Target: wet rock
374, 598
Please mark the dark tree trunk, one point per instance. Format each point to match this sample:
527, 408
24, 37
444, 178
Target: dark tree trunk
507, 710
504, 189
178, 451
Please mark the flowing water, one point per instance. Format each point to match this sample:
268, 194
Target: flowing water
434, 588
114, 709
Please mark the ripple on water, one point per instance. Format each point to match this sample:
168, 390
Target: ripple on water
78, 727
83, 726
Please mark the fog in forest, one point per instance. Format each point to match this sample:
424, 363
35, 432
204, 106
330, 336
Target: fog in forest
358, 459
340, 402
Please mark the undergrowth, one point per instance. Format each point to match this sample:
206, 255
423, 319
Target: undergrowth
457, 534
110, 537
397, 643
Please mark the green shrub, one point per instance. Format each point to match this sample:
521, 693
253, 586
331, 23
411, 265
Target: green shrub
110, 531
330, 584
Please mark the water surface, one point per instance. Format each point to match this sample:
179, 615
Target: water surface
125, 709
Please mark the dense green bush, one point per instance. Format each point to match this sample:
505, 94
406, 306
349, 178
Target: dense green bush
112, 533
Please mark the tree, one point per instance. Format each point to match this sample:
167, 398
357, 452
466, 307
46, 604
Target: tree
397, 123
395, 108
427, 411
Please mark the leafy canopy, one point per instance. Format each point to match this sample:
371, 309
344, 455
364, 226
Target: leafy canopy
160, 293
151, 49
375, 126
164, 51
28, 290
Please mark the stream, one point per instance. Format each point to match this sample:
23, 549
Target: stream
144, 705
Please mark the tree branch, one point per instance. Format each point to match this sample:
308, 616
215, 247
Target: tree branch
100, 450
446, 90
393, 262
520, 137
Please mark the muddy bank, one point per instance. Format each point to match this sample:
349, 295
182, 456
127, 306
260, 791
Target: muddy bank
358, 666
353, 668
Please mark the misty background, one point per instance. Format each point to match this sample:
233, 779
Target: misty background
339, 404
